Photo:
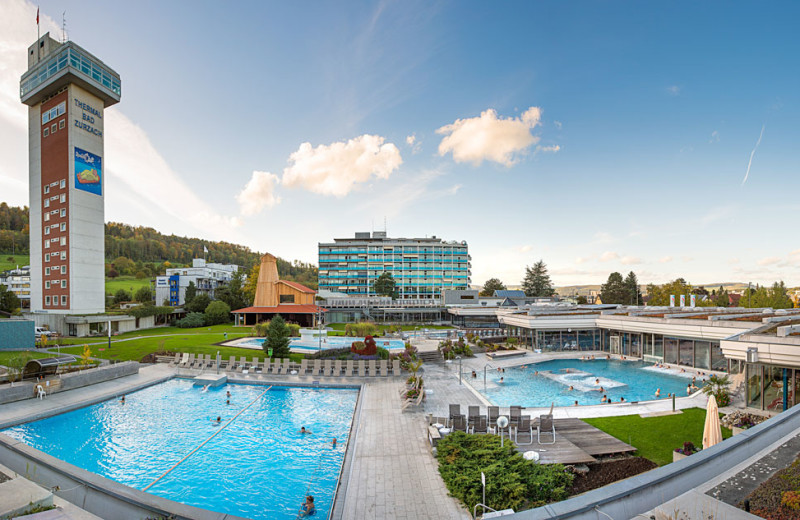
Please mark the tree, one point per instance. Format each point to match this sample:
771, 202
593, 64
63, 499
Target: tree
122, 296
774, 297
385, 285
9, 302
659, 294
233, 293
492, 285
198, 303
537, 281
722, 298
217, 312
634, 296
581, 300
143, 295
277, 338
191, 292
614, 290
249, 288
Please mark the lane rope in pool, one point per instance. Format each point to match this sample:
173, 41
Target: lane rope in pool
206, 441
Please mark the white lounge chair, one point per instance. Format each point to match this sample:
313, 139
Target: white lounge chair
348, 369
396, 370
362, 368
337, 368
373, 368
283, 365
184, 360
315, 370
328, 368
303, 367
384, 366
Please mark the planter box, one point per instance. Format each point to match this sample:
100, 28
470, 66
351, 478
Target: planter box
678, 456
737, 431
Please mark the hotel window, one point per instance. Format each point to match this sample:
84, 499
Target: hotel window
62, 184
47, 230
47, 189
64, 299
63, 212
61, 124
53, 128
47, 300
63, 269
47, 217
47, 271
55, 301
63, 241
63, 255
47, 244
63, 226
46, 203
47, 284
63, 284
63, 197
45, 132
47, 255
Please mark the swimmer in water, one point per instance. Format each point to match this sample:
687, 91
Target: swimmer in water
334, 442
303, 430
218, 420
122, 401
228, 395
571, 387
658, 392
501, 380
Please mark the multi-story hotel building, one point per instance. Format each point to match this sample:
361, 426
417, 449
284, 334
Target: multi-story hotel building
66, 89
422, 267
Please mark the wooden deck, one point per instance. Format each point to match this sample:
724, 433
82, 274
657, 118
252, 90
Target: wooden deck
576, 443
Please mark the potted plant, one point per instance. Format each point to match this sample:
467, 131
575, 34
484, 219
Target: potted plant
681, 453
742, 424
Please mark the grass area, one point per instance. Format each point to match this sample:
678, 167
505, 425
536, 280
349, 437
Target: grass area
655, 438
129, 283
5, 357
18, 260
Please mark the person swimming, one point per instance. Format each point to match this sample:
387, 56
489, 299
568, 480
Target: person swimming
501, 380
307, 509
228, 395
122, 401
571, 387
303, 430
217, 421
334, 442
205, 388
604, 399
228, 402
658, 392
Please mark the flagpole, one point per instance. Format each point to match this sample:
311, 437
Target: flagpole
38, 47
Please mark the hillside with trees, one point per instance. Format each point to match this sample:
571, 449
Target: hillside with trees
143, 252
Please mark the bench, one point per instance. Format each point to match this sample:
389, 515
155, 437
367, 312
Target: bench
502, 354
433, 436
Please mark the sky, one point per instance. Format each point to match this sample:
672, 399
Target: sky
659, 138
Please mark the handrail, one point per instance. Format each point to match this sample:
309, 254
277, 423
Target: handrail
484, 506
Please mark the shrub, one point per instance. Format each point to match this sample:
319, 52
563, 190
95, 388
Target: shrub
511, 481
719, 388
259, 329
294, 330
217, 312
688, 448
791, 499
513, 341
192, 320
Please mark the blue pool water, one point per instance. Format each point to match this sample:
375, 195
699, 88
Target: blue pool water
331, 342
633, 380
258, 467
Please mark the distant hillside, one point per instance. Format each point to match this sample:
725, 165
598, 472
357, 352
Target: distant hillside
144, 252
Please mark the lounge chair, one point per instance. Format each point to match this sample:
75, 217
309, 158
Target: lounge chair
207, 362
194, 361
254, 367
455, 411
547, 427
396, 370
40, 393
267, 365
373, 368
460, 424
526, 426
515, 416
337, 368
384, 366
283, 366
231, 363
473, 413
317, 367
242, 365
303, 367
493, 414
362, 368
213, 365
327, 368
479, 426
349, 367
184, 360
176, 360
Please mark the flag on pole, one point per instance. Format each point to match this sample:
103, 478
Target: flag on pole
37, 16
205, 249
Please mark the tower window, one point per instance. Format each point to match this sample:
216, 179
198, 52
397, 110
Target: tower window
63, 284
63, 212
47, 255
63, 269
45, 132
47, 230
63, 198
63, 241
63, 182
53, 128
62, 124
47, 284
63, 255
63, 226
47, 300
64, 299
47, 271
46, 203
47, 217
47, 189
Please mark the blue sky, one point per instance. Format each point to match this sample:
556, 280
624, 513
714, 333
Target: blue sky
599, 137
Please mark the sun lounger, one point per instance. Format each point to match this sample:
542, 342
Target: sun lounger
176, 360
207, 362
373, 368
231, 363
184, 360
283, 366
546, 427
213, 365
480, 426
384, 366
267, 365
348, 369
362, 368
315, 370
494, 413
337, 368
473, 413
303, 367
192, 361
255, 366
328, 370
524, 426
455, 411
396, 367
459, 424
515, 415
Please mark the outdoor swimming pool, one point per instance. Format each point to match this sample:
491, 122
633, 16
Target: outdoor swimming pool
633, 380
312, 345
258, 466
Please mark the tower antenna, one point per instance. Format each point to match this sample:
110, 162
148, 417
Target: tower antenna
64, 27
384, 223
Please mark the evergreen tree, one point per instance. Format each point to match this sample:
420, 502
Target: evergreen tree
722, 298
659, 294
634, 296
191, 292
198, 303
9, 302
277, 338
385, 285
492, 285
143, 295
615, 290
233, 293
537, 281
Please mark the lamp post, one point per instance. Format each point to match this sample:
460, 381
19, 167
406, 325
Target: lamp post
459, 369
502, 422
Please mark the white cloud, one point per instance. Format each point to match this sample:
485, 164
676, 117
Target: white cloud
525, 248
553, 148
413, 143
259, 193
673, 90
665, 259
454, 188
714, 137
489, 137
335, 169
770, 260
410, 140
415, 190
582, 259
608, 256
631, 260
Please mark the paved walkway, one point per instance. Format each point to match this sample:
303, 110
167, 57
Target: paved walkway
394, 474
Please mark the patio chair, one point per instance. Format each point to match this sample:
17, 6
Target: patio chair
213, 365
473, 413
373, 368
396, 367
337, 368
384, 367
207, 362
176, 360
231, 363
303, 367
283, 366
459, 424
317, 367
515, 415
255, 366
526, 426
455, 411
547, 427
480, 425
242, 365
184, 360
267, 366
190, 361
349, 367
327, 370
493, 413
40, 393
362, 368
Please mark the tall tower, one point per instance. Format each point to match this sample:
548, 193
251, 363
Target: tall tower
67, 90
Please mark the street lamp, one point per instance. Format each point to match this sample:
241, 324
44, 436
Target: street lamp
502, 422
459, 369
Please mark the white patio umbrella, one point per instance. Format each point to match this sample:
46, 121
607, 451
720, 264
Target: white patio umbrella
712, 434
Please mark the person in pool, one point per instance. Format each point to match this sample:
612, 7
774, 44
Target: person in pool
501, 380
571, 387
229, 394
122, 401
307, 509
217, 421
303, 430
334, 442
658, 392
604, 399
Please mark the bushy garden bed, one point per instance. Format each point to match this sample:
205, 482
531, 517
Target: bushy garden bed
450, 349
345, 353
607, 472
779, 497
511, 481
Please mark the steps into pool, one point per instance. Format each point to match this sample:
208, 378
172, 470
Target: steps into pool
19, 495
213, 380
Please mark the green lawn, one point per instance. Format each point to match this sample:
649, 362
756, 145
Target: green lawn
6, 356
129, 283
655, 438
18, 260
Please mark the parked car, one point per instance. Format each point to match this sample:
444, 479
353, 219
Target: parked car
41, 331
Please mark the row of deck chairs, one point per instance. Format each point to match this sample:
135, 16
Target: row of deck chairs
319, 367
474, 422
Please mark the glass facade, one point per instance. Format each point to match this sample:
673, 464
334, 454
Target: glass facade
81, 63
